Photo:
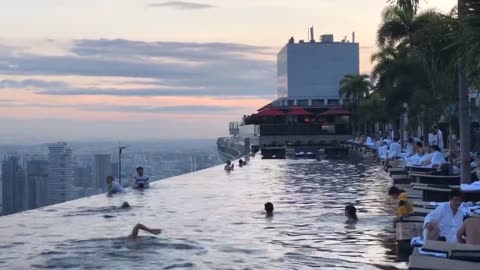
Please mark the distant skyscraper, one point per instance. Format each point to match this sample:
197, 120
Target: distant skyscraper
60, 173
37, 183
13, 186
84, 177
103, 168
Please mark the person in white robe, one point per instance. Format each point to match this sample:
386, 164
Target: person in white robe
444, 222
410, 148
415, 159
437, 157
440, 141
395, 150
382, 150
427, 157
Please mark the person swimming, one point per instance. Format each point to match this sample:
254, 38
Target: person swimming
351, 213
133, 240
124, 206
269, 209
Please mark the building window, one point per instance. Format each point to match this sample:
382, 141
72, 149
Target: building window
291, 102
302, 102
318, 102
333, 102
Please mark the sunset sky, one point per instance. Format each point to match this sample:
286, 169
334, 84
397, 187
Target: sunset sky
147, 69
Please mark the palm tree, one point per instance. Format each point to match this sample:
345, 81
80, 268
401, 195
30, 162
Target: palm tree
355, 88
407, 5
469, 14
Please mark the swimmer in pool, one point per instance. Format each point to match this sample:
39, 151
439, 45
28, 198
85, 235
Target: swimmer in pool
351, 213
269, 209
124, 206
229, 166
132, 239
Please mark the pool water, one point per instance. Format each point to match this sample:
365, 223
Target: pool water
214, 220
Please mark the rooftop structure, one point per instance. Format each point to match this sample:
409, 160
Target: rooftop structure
309, 72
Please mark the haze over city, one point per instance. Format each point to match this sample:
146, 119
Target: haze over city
135, 69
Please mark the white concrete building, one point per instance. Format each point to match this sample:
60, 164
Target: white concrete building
60, 173
309, 73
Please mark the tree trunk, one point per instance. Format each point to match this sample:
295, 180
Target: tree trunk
464, 111
464, 119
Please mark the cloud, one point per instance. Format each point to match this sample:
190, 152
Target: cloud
178, 68
208, 109
182, 5
32, 83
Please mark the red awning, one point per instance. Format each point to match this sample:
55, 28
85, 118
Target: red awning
336, 112
298, 111
270, 112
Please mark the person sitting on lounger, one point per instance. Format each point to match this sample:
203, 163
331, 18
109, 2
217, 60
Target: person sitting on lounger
415, 159
469, 232
410, 148
437, 158
427, 156
404, 208
382, 150
444, 222
395, 150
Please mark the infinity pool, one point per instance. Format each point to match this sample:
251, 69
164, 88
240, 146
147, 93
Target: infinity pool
214, 220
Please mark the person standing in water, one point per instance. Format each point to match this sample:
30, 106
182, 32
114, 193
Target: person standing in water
229, 166
351, 213
269, 209
113, 186
140, 181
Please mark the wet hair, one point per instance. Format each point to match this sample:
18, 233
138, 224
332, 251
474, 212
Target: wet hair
139, 168
352, 211
125, 205
419, 144
109, 177
436, 148
269, 207
229, 162
455, 193
394, 190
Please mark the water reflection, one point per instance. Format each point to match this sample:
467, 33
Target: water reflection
212, 220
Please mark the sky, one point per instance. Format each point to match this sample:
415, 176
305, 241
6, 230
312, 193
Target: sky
153, 69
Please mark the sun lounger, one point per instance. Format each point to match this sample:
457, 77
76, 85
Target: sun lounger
441, 255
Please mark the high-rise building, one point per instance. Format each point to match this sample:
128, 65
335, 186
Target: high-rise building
13, 186
60, 173
37, 183
103, 168
84, 177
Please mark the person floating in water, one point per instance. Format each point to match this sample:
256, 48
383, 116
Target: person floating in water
269, 209
404, 208
229, 166
140, 181
351, 213
113, 186
124, 206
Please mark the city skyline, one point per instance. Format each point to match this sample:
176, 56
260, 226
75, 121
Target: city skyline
173, 69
